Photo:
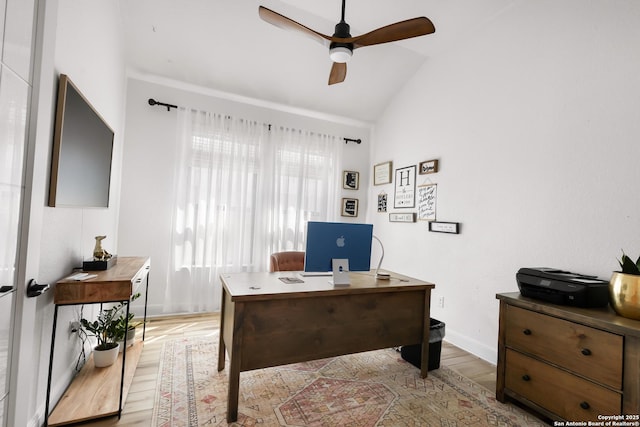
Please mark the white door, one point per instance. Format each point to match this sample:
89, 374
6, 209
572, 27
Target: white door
13, 108
16, 30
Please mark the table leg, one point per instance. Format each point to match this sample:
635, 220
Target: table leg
221, 347
53, 341
234, 391
424, 361
234, 368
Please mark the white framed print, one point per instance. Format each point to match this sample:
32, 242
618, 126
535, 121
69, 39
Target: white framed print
427, 196
382, 173
405, 191
402, 217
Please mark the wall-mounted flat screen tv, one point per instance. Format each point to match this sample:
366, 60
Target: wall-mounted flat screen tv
82, 152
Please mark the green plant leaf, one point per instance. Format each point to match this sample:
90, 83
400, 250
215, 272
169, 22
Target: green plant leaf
628, 266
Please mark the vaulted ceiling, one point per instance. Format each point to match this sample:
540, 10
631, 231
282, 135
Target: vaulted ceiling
225, 46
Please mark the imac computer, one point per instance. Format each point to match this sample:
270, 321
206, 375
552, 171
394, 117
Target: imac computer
337, 240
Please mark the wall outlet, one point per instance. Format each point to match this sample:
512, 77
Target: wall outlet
441, 302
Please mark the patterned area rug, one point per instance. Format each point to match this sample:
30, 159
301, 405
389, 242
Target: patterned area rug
376, 388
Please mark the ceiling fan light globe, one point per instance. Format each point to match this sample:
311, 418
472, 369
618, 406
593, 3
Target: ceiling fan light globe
340, 54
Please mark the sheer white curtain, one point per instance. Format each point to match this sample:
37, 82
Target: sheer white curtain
243, 190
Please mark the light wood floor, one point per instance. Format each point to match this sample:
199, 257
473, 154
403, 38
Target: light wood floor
138, 408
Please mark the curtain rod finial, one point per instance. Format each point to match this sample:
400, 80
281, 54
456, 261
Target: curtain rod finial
153, 102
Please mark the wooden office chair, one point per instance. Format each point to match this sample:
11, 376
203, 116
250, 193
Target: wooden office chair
287, 261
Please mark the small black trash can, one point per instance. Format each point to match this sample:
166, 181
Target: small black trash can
412, 353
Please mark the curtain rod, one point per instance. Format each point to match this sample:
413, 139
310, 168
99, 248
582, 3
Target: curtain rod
153, 102
163, 104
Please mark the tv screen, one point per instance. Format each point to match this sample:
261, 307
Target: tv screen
82, 152
329, 240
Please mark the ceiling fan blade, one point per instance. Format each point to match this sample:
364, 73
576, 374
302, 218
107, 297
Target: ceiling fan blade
283, 22
399, 31
338, 72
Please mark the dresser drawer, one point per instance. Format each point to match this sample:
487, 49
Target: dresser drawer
589, 352
566, 395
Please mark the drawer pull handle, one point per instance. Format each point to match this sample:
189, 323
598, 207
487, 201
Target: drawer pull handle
526, 377
527, 332
586, 352
585, 405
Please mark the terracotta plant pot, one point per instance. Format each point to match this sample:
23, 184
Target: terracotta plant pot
624, 294
104, 358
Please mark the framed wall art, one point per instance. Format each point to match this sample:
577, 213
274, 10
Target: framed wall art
350, 180
444, 227
429, 166
382, 202
349, 207
382, 173
405, 187
402, 217
427, 196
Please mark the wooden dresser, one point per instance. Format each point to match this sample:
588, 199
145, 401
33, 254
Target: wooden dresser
568, 363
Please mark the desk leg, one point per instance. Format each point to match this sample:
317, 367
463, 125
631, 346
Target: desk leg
234, 370
221, 347
424, 360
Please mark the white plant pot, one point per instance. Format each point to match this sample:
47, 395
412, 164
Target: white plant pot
104, 358
131, 337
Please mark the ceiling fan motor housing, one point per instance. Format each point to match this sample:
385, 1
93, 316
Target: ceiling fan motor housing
342, 31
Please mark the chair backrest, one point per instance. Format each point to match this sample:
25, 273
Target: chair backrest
287, 261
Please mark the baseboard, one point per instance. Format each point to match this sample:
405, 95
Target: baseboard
490, 354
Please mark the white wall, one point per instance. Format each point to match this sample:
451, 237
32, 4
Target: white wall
536, 123
149, 163
89, 48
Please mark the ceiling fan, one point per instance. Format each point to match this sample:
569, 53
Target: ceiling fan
342, 44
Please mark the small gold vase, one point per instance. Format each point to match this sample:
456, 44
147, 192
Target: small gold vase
624, 294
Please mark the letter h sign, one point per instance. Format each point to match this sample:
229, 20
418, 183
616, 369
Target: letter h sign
405, 187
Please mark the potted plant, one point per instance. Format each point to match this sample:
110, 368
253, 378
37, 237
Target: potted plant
103, 329
125, 329
624, 288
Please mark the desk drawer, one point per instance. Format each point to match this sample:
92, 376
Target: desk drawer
568, 396
139, 280
590, 352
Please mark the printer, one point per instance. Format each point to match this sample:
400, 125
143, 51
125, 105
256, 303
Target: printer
563, 287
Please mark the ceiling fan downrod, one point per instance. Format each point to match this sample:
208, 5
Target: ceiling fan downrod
338, 51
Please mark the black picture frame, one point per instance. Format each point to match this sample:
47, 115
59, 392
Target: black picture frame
444, 227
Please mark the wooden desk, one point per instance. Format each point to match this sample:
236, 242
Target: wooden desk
265, 322
98, 392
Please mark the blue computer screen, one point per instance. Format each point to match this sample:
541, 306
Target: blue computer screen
329, 240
